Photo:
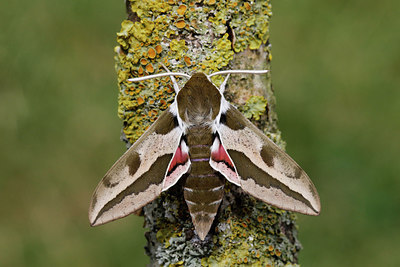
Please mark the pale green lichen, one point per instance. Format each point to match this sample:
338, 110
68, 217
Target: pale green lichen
254, 107
178, 50
149, 8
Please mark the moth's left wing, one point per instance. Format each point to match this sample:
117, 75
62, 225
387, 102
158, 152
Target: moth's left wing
152, 164
249, 159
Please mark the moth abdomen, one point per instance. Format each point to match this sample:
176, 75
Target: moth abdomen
203, 194
204, 187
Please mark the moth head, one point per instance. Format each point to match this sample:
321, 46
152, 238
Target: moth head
199, 100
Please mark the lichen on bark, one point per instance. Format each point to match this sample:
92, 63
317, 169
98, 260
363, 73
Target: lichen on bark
207, 36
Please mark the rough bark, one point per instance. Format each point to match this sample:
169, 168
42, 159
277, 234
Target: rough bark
207, 36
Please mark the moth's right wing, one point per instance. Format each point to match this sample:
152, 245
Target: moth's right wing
151, 165
249, 159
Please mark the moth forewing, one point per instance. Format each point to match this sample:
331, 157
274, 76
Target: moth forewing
265, 171
137, 177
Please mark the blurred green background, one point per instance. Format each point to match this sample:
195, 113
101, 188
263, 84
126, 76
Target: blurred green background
336, 73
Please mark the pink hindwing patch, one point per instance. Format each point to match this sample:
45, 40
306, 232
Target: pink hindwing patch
221, 162
178, 166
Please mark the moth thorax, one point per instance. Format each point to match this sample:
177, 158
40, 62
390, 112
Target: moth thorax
196, 117
199, 101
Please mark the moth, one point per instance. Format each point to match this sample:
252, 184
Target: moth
203, 139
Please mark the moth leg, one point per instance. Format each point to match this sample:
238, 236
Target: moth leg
174, 83
222, 87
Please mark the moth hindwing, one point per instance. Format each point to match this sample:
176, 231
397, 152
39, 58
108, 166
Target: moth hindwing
206, 138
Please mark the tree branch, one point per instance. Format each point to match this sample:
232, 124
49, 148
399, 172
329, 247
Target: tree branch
205, 36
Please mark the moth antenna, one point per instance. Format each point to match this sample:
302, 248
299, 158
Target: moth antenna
174, 83
222, 87
171, 74
238, 72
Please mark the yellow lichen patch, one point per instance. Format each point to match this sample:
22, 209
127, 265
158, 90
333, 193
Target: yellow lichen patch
158, 49
143, 61
150, 113
140, 70
181, 10
166, 63
270, 248
142, 31
254, 108
187, 60
170, 89
211, 2
140, 100
180, 24
247, 5
163, 103
149, 8
178, 48
151, 53
150, 68
278, 252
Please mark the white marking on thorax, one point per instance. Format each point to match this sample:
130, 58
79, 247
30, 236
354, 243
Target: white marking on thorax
174, 110
222, 109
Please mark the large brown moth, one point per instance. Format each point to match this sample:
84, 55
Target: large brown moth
206, 140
